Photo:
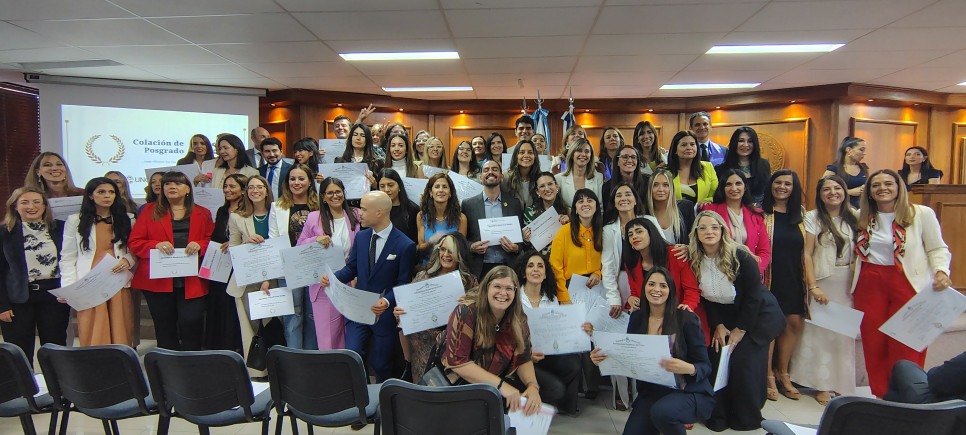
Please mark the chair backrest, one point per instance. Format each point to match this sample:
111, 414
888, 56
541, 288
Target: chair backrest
16, 377
865, 415
199, 383
408, 409
93, 377
317, 382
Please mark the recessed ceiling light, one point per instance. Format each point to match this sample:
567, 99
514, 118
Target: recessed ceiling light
430, 89
709, 86
586, 110
871, 100
773, 48
650, 110
717, 107
340, 104
400, 109
461, 111
962, 84
410, 55
792, 101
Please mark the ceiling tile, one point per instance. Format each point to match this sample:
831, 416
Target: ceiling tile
888, 39
392, 45
515, 92
678, 18
923, 78
302, 69
370, 25
122, 72
842, 36
158, 54
476, 48
750, 62
830, 15
808, 76
633, 45
469, 23
874, 59
940, 14
53, 54
347, 84
561, 64
103, 32
609, 91
356, 5
186, 8
236, 28
621, 79
59, 10
397, 81
275, 52
534, 80
604, 64
16, 37
185, 72
258, 82
756, 76
410, 67
952, 60
477, 4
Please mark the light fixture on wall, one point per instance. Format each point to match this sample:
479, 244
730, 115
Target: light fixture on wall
871, 100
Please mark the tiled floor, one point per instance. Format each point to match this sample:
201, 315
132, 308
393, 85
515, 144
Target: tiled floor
596, 417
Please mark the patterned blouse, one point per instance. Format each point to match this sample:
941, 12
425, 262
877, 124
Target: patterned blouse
461, 350
40, 252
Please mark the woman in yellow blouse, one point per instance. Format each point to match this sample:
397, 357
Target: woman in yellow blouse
577, 246
694, 179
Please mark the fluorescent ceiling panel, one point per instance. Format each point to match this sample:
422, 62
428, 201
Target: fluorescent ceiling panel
415, 55
773, 48
709, 86
431, 89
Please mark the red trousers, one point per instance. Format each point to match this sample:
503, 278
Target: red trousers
879, 293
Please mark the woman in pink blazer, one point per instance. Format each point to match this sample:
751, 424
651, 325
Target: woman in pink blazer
745, 221
334, 224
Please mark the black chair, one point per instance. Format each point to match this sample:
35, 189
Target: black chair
208, 388
460, 410
103, 382
18, 390
325, 388
848, 414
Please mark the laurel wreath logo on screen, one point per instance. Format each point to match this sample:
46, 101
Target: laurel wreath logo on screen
89, 150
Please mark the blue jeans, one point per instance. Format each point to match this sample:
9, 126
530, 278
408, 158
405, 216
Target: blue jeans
300, 327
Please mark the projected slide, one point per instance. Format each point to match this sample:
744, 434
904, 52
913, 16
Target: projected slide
101, 139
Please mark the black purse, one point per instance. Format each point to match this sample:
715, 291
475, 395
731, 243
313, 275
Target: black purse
435, 373
268, 335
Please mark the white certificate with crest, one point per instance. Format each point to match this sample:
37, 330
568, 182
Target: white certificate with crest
176, 265
558, 330
353, 176
920, 321
465, 187
493, 229
95, 288
428, 303
305, 264
209, 197
278, 302
61, 208
216, 265
333, 148
257, 262
544, 228
354, 304
636, 356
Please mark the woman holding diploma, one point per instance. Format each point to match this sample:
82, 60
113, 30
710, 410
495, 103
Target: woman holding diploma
825, 360
404, 210
100, 230
177, 305
576, 249
580, 172
334, 222
487, 340
659, 409
464, 163
286, 219
523, 171
900, 252
544, 195
737, 305
31, 241
399, 158
448, 256
221, 321
359, 149
439, 213
674, 217
625, 206
644, 250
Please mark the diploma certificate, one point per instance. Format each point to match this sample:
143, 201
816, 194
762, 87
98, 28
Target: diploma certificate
599, 316
305, 264
95, 288
536, 424
837, 318
589, 297
636, 356
190, 170
493, 229
175, 265
257, 262
216, 265
429, 171
724, 368
333, 148
61, 208
544, 228
920, 321
465, 187
428, 303
558, 330
209, 197
355, 305
353, 176
278, 302
414, 187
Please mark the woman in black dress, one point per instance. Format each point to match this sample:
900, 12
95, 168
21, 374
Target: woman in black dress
221, 321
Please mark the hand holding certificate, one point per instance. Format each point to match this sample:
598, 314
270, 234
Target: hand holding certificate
305, 264
920, 321
465, 188
355, 305
353, 175
278, 302
333, 148
837, 318
558, 330
95, 288
536, 424
589, 297
636, 356
724, 368
599, 316
257, 262
428, 303
544, 228
216, 265
493, 229
175, 265
61, 208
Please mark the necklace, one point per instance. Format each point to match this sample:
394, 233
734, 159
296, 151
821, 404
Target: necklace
260, 219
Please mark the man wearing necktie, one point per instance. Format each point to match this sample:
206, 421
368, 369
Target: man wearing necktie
275, 168
381, 258
254, 153
708, 151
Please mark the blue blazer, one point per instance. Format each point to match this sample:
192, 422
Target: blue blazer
387, 273
282, 172
696, 353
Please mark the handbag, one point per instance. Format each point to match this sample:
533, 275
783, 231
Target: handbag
434, 375
268, 335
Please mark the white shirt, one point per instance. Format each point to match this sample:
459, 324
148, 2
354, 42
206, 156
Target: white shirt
276, 178
340, 234
544, 300
400, 167
381, 241
714, 284
880, 241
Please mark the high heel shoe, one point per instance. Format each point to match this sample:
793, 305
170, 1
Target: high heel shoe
823, 397
771, 391
789, 390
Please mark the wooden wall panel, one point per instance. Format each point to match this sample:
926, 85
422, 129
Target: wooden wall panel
886, 140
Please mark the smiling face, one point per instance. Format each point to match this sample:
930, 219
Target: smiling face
701, 126
734, 187
226, 151
914, 157
479, 147
884, 189
390, 187
490, 174
271, 153
656, 291
419, 144
646, 138
341, 128
397, 148
334, 196
638, 237
448, 257
496, 146
524, 131
30, 207
500, 294
709, 232
257, 191
198, 146
781, 188
547, 188
52, 169
526, 155
832, 195
578, 133
687, 148
624, 199
586, 208
434, 149
231, 189
745, 145
582, 156
464, 152
627, 160
302, 156
103, 196
661, 188
539, 142
298, 181
536, 270
440, 191
359, 138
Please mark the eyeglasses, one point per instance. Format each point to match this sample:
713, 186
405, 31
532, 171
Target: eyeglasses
500, 288
256, 188
628, 157
334, 193
709, 227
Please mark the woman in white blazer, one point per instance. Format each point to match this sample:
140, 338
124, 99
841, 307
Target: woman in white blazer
232, 159
100, 233
580, 172
900, 252
286, 219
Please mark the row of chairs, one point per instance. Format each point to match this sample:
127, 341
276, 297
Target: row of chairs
212, 389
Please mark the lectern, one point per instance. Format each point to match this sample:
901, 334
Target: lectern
949, 202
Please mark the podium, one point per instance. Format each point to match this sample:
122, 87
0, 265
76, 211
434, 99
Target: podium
949, 202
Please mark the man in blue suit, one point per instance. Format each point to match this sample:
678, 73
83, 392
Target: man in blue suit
708, 150
381, 257
275, 168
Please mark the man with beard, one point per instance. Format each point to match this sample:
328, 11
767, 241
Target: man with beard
490, 204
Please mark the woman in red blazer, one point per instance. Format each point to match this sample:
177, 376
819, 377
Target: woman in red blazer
732, 200
177, 305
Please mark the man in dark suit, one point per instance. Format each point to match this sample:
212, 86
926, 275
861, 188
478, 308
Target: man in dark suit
490, 204
254, 153
708, 150
381, 257
911, 384
275, 168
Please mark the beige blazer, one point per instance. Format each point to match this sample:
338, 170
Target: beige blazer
75, 262
567, 188
239, 230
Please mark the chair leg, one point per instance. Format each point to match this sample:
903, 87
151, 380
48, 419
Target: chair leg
63, 423
280, 420
375, 427
163, 424
114, 427
295, 424
311, 428
28, 424
265, 426
52, 429
203, 430
107, 427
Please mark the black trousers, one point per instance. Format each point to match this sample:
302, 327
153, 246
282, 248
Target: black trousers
41, 314
179, 323
559, 379
738, 406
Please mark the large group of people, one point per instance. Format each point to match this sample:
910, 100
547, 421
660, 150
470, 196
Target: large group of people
715, 248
